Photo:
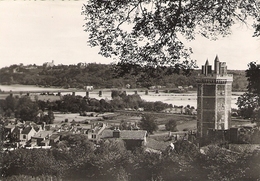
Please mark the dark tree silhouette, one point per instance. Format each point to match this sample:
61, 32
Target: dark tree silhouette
171, 125
151, 32
253, 74
249, 102
147, 123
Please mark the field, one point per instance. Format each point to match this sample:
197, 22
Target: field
184, 122
112, 119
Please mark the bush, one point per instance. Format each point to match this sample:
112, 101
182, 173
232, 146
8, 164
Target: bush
171, 125
147, 123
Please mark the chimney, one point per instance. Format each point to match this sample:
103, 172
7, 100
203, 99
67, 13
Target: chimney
43, 126
116, 133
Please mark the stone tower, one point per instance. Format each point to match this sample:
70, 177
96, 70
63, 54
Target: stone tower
213, 98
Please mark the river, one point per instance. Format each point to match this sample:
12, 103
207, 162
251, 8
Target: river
180, 99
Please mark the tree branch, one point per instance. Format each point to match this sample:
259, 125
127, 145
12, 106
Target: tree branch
128, 14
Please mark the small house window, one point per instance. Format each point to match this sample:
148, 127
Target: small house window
24, 136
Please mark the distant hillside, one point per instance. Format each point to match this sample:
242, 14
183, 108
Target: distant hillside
99, 76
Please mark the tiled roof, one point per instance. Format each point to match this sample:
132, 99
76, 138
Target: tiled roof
26, 130
54, 136
42, 134
156, 145
36, 128
135, 135
107, 134
9, 126
126, 134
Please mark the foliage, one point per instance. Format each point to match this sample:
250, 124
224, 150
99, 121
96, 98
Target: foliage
106, 76
249, 102
48, 118
222, 164
148, 123
31, 162
23, 108
31, 178
253, 74
111, 161
151, 32
171, 125
28, 110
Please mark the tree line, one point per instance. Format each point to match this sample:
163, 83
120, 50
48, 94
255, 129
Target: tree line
104, 76
76, 158
27, 110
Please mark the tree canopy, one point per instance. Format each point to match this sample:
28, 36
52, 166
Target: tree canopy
249, 102
171, 125
148, 123
253, 74
152, 32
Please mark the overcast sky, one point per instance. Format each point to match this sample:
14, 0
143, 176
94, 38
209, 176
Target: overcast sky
34, 32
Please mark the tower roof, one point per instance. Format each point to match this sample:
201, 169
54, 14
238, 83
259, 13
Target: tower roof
207, 62
216, 59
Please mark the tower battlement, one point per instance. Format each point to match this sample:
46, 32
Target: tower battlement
214, 78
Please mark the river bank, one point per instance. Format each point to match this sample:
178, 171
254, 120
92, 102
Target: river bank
178, 99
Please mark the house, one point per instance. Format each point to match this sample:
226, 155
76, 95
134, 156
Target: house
12, 133
34, 125
26, 134
140, 109
155, 146
180, 135
88, 87
175, 110
49, 64
132, 138
8, 130
95, 131
41, 138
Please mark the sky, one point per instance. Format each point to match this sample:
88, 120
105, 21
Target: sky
35, 32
